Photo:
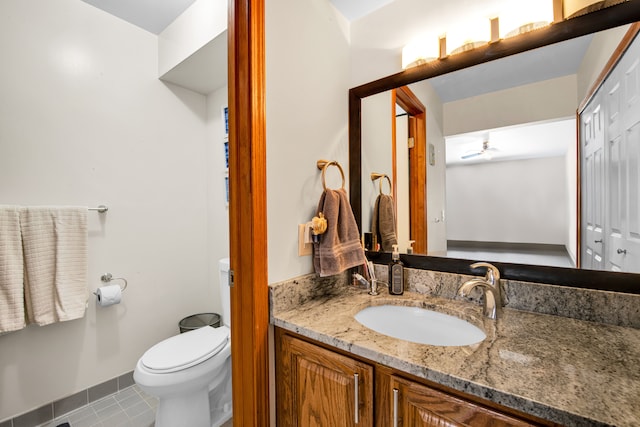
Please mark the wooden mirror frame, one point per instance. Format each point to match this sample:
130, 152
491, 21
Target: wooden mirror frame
603, 19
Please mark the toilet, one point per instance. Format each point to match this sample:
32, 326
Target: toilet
190, 373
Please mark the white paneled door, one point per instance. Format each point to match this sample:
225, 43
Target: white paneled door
592, 141
610, 144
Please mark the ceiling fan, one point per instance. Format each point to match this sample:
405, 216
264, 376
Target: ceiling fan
485, 152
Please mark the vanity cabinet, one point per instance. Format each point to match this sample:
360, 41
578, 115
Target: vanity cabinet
416, 405
321, 386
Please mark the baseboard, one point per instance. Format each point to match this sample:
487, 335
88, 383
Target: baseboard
53, 410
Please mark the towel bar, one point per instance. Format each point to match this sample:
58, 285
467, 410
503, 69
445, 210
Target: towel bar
100, 209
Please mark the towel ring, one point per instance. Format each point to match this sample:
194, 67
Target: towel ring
375, 176
323, 165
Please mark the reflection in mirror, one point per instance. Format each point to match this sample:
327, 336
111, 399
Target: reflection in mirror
504, 150
473, 110
521, 205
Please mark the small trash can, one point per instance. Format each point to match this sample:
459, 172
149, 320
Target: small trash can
199, 320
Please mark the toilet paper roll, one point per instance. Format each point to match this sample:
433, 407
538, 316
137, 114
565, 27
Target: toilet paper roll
109, 295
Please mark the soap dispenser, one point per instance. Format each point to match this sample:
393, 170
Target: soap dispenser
410, 247
396, 273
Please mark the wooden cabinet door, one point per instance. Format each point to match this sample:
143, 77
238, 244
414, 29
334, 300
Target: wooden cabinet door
416, 405
317, 387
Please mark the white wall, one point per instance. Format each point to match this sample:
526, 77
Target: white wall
521, 201
307, 63
546, 100
217, 207
403, 220
202, 22
571, 168
600, 50
377, 113
83, 121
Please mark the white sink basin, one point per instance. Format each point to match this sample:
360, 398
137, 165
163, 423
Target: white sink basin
420, 325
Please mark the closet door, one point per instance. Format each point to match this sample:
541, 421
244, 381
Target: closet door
592, 138
616, 182
624, 249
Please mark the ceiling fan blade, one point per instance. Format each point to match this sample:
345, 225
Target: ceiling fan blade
471, 155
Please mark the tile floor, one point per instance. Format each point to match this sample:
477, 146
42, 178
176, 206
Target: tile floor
130, 407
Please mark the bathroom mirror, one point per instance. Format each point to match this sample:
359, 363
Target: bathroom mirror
570, 29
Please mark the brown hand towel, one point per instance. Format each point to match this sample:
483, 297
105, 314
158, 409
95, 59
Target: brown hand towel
383, 224
339, 247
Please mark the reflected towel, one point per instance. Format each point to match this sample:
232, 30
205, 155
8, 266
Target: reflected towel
339, 247
383, 224
12, 316
55, 256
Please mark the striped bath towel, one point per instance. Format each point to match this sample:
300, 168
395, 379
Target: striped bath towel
55, 255
12, 316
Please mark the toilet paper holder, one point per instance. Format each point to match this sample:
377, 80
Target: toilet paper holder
108, 277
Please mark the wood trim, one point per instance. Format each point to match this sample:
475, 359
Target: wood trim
247, 213
355, 156
626, 41
418, 223
394, 154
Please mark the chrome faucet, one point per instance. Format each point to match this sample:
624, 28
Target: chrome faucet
490, 285
372, 286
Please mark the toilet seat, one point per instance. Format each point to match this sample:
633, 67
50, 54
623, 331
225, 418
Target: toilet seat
185, 350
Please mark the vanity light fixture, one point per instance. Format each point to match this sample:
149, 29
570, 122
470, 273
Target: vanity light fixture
521, 17
419, 52
468, 35
495, 29
573, 8
515, 18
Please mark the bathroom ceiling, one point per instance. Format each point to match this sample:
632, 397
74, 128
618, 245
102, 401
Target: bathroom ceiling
151, 15
354, 9
528, 141
154, 16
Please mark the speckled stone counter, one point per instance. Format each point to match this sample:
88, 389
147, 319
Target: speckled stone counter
573, 372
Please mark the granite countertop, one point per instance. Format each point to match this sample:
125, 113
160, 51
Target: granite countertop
568, 371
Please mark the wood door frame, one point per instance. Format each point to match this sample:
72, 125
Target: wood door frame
418, 224
247, 213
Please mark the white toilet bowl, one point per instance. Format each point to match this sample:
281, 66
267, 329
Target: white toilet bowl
181, 371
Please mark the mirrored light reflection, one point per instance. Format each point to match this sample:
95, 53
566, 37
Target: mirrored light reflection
511, 19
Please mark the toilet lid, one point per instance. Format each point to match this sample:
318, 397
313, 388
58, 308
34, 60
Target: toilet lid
185, 350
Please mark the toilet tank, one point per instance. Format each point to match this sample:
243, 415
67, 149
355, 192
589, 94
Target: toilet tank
225, 292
